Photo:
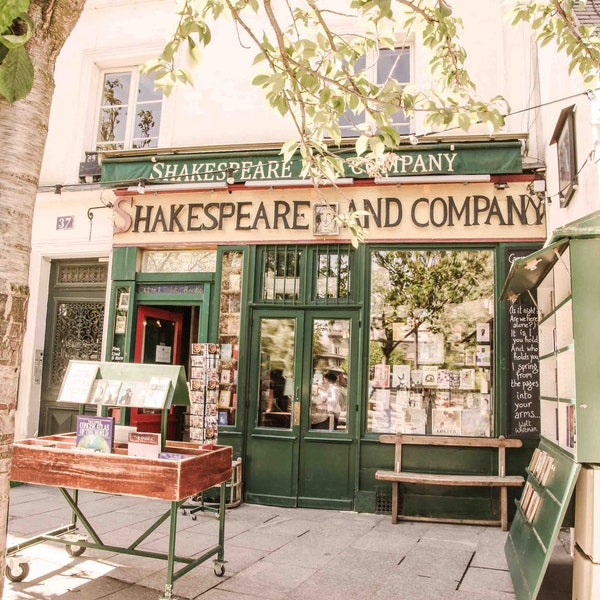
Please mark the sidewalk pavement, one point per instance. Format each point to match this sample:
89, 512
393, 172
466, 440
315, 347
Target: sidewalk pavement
272, 553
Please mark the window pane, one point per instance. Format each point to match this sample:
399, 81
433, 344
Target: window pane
281, 273
333, 273
431, 342
116, 89
349, 121
112, 125
395, 64
147, 122
329, 379
276, 373
146, 91
184, 261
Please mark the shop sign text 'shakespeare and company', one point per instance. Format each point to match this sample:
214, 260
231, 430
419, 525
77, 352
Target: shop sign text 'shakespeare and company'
451, 212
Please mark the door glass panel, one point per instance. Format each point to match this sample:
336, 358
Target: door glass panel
331, 344
159, 341
276, 384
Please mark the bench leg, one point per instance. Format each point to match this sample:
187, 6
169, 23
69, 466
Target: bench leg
394, 502
504, 508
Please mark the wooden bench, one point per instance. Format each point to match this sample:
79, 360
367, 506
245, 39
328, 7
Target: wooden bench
501, 480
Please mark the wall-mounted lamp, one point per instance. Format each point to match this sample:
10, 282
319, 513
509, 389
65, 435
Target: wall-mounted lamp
141, 186
230, 178
58, 189
500, 185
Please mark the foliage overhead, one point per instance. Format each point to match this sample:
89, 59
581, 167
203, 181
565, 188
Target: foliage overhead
311, 71
16, 68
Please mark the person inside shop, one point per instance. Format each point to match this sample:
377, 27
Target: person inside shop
325, 404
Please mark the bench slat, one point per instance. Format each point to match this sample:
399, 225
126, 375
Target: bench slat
455, 480
441, 440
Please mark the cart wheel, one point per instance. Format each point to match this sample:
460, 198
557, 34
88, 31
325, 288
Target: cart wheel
74, 550
219, 569
19, 573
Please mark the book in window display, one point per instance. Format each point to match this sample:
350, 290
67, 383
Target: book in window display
413, 421
401, 376
467, 379
416, 378
94, 433
446, 421
430, 376
381, 376
443, 379
474, 423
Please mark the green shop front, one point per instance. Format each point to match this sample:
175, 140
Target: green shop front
323, 344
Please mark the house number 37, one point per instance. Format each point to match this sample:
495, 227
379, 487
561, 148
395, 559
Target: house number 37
65, 222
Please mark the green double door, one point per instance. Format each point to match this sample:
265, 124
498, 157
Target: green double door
300, 449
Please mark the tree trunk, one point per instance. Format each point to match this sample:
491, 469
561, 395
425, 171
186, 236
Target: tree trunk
23, 131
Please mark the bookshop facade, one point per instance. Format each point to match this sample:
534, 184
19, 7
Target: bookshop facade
323, 344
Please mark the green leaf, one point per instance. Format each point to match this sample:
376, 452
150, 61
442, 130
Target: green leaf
16, 74
14, 41
10, 10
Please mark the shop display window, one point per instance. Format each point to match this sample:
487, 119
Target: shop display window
229, 334
431, 342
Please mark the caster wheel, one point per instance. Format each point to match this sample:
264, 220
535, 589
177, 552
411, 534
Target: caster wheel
219, 569
18, 572
184, 512
194, 517
74, 550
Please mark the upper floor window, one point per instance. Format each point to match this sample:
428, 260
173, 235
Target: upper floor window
130, 111
388, 63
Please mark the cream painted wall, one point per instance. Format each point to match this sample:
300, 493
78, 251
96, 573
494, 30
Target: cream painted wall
51, 244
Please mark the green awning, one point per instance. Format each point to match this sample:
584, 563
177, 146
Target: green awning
181, 166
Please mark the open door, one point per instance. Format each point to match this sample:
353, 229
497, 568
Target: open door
157, 341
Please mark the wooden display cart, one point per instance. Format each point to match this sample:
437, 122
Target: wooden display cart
55, 461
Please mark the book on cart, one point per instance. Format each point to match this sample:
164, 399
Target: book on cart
94, 433
144, 444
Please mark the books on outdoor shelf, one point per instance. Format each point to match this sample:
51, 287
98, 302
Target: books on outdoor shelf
156, 396
173, 455
144, 444
94, 433
541, 466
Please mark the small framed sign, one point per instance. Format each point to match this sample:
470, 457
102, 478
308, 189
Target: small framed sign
564, 138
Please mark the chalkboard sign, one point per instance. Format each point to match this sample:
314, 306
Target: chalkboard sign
523, 364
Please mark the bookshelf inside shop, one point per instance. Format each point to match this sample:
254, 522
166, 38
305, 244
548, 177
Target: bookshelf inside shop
229, 335
565, 286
